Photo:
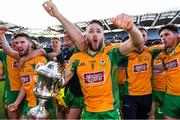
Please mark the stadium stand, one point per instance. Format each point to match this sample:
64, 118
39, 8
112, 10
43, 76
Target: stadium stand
151, 21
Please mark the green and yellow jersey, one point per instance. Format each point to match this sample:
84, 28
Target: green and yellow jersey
11, 71
172, 65
14, 73
98, 75
28, 78
139, 71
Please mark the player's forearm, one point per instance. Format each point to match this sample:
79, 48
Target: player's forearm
6, 47
20, 96
73, 31
35, 53
136, 37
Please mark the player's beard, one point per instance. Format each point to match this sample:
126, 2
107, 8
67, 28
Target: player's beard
90, 45
25, 52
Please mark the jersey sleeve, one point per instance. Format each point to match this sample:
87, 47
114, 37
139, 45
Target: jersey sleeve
73, 63
116, 55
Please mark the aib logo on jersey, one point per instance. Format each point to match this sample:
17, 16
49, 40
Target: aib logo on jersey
156, 71
171, 64
140, 67
95, 77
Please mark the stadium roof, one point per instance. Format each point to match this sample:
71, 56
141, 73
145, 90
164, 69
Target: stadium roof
149, 20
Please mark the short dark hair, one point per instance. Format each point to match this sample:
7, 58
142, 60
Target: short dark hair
170, 27
142, 29
97, 22
22, 35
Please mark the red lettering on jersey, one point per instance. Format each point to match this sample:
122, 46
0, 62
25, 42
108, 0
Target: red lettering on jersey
171, 64
95, 77
140, 67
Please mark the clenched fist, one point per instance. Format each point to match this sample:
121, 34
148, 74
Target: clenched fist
123, 21
51, 8
3, 29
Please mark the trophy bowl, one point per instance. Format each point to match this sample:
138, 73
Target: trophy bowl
49, 70
47, 86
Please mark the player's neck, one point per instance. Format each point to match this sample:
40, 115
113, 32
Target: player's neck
92, 52
173, 46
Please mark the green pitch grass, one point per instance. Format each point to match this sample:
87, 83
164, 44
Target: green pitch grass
2, 115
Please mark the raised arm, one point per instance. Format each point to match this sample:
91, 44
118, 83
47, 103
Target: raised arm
125, 22
72, 30
5, 45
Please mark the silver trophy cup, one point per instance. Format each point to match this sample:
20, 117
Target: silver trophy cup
49, 79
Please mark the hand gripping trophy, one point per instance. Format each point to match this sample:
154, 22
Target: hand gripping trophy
47, 87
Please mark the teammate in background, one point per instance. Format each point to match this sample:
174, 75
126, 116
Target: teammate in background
53, 51
158, 87
121, 82
171, 61
12, 80
73, 94
138, 91
56, 48
93, 65
56, 45
121, 79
